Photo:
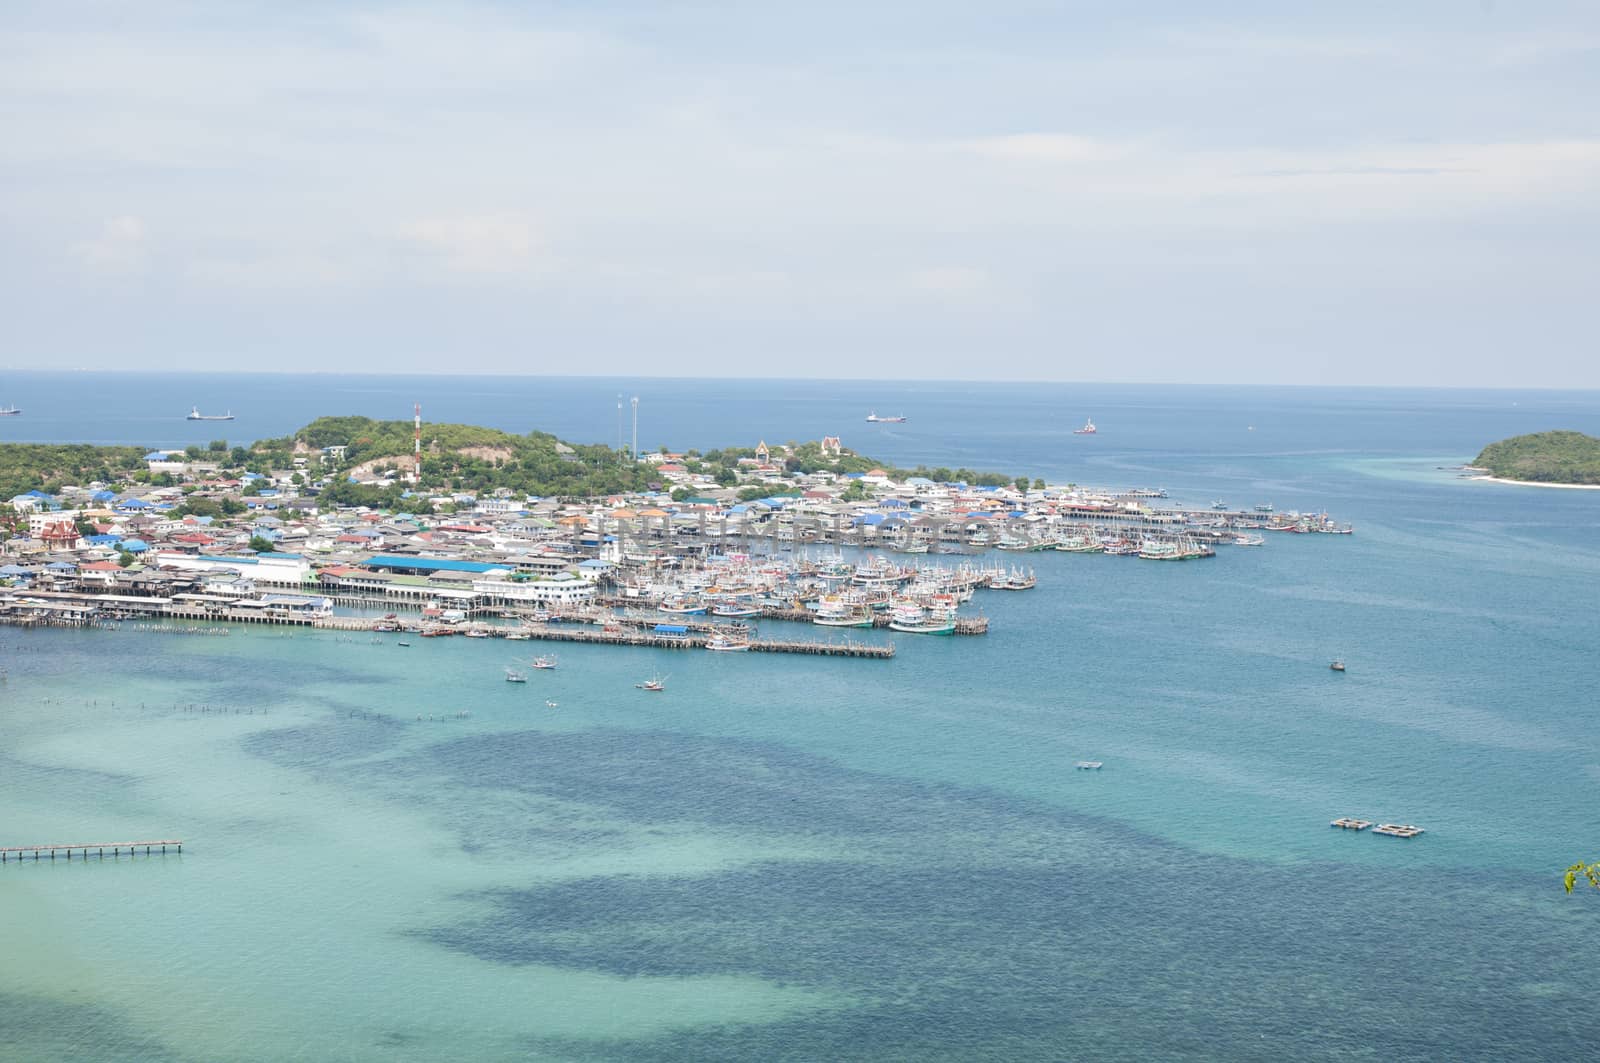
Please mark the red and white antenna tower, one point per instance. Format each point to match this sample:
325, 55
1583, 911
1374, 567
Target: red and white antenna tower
416, 439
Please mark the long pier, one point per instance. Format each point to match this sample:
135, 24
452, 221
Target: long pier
87, 849
697, 640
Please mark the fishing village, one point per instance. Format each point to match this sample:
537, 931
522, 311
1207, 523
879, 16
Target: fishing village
693, 552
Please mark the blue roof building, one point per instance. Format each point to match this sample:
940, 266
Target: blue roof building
425, 565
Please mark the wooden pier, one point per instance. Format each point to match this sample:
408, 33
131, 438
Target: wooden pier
86, 850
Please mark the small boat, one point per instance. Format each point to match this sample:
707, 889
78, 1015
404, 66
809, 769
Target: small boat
1351, 823
873, 418
655, 685
10, 411
726, 644
477, 633
549, 704
545, 663
514, 676
1337, 665
1090, 765
519, 636
402, 642
1088, 429
196, 415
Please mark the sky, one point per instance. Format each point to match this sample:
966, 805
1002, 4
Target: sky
1360, 193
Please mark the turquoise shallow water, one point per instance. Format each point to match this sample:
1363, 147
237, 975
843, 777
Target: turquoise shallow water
791, 858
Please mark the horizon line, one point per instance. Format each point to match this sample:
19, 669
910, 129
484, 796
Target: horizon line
989, 380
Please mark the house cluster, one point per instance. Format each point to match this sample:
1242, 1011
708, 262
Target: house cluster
268, 534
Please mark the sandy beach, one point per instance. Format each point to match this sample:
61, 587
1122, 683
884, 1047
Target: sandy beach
1537, 483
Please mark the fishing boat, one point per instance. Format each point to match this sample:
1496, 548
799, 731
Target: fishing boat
1088, 429
734, 609
518, 636
1249, 540
196, 415
873, 418
835, 610
1337, 665
682, 605
545, 663
1079, 544
514, 676
1090, 765
725, 644
909, 617
10, 411
655, 684
1160, 550
879, 572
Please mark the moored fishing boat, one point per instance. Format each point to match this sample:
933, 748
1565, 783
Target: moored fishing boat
682, 605
837, 610
909, 617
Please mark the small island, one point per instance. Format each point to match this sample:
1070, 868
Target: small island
1551, 459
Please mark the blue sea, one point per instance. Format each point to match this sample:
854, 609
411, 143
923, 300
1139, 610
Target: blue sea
817, 859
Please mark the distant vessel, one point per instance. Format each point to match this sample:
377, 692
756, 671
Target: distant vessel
545, 663
1090, 765
1088, 429
9, 411
655, 684
1337, 665
196, 415
873, 418
514, 676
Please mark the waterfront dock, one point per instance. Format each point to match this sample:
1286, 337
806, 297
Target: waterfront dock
642, 617
686, 640
88, 849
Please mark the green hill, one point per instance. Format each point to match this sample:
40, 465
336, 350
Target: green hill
26, 466
462, 457
1546, 457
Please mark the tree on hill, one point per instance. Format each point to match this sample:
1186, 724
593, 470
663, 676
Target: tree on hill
1546, 457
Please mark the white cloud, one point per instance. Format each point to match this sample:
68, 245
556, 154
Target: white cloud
1045, 147
482, 244
119, 247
